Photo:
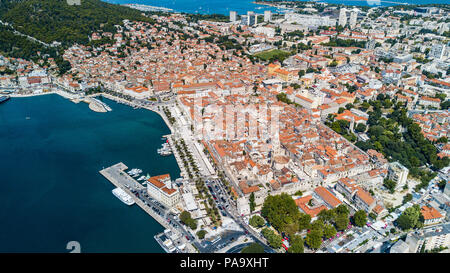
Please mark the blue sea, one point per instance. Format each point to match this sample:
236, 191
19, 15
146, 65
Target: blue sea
51, 191
242, 6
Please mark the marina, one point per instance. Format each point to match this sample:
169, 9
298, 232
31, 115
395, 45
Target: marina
165, 150
64, 129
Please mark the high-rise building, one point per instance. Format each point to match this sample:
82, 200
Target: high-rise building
244, 20
233, 16
353, 19
267, 16
252, 18
343, 17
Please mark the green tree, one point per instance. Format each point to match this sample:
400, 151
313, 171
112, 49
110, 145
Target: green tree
253, 248
280, 210
360, 127
408, 197
201, 234
360, 218
341, 222
252, 202
296, 244
273, 239
304, 221
329, 231
390, 185
256, 221
314, 239
410, 218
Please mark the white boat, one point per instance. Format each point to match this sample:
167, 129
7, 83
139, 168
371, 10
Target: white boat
141, 178
123, 196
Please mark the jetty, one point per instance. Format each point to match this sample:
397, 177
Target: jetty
118, 177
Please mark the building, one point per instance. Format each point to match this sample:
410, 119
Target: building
244, 20
399, 247
160, 187
342, 17
243, 207
267, 16
73, 2
437, 237
233, 16
431, 215
398, 173
437, 51
353, 19
252, 18
328, 198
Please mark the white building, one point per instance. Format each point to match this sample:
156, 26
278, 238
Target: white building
437, 51
251, 18
309, 21
160, 187
233, 16
353, 19
398, 173
267, 16
343, 17
243, 207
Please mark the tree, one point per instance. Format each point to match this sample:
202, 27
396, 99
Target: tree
296, 244
341, 222
360, 127
410, 218
185, 218
390, 185
201, 234
252, 202
256, 221
280, 210
360, 218
273, 239
326, 215
329, 231
314, 239
253, 248
342, 209
304, 221
408, 197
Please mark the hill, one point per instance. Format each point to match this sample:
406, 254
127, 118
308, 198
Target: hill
55, 20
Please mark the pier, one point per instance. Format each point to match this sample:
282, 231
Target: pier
118, 177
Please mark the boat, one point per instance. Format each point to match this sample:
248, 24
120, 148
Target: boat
4, 98
165, 150
123, 196
141, 178
135, 172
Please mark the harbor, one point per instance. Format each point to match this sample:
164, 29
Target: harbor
172, 239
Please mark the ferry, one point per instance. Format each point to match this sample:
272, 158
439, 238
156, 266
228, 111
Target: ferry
4, 98
123, 196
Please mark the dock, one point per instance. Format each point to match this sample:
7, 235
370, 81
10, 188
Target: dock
118, 177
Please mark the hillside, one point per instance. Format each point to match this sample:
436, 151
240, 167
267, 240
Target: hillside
55, 20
